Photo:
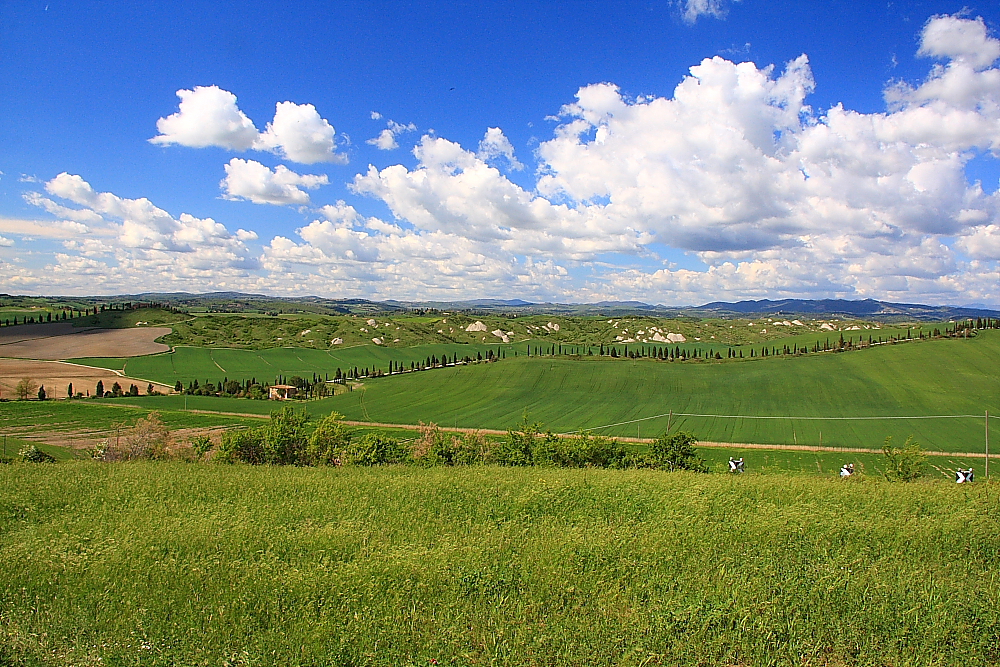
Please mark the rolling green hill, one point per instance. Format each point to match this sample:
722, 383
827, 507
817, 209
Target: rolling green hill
916, 378
204, 363
258, 332
921, 378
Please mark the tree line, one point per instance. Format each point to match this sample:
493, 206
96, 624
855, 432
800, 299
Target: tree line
70, 313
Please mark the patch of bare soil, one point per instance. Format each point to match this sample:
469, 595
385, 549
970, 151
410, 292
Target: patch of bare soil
84, 439
57, 375
63, 341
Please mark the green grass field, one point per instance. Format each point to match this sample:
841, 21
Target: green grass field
38, 418
180, 564
922, 378
187, 363
200, 363
916, 378
54, 418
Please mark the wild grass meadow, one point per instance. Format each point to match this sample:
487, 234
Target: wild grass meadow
166, 563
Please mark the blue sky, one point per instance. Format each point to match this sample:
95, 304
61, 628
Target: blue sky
562, 152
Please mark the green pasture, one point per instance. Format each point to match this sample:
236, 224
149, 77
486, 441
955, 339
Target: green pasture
39, 417
199, 363
181, 564
315, 331
11, 446
21, 419
187, 363
919, 378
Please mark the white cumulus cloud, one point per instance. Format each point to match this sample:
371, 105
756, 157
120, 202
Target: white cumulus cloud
496, 146
765, 195
386, 139
736, 169
299, 134
248, 179
959, 40
209, 116
145, 247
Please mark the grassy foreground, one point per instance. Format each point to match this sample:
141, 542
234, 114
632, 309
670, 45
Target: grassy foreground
174, 564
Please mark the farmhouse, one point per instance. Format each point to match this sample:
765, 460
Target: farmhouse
282, 392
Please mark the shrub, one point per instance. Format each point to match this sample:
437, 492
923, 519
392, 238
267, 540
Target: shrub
281, 441
587, 451
201, 445
436, 448
32, 454
241, 445
329, 443
464, 449
903, 464
520, 447
375, 449
676, 452
148, 438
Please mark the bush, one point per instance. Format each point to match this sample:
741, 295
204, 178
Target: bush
201, 445
281, 441
32, 454
520, 447
903, 464
241, 445
676, 452
433, 447
148, 438
329, 443
375, 449
584, 451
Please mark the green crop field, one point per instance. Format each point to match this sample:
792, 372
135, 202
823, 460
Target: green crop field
52, 420
200, 363
187, 363
184, 564
920, 378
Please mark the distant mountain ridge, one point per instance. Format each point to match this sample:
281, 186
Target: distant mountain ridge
238, 302
869, 308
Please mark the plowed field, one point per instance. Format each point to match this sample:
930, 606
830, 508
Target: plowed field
64, 341
56, 377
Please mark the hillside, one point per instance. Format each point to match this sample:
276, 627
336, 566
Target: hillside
935, 377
